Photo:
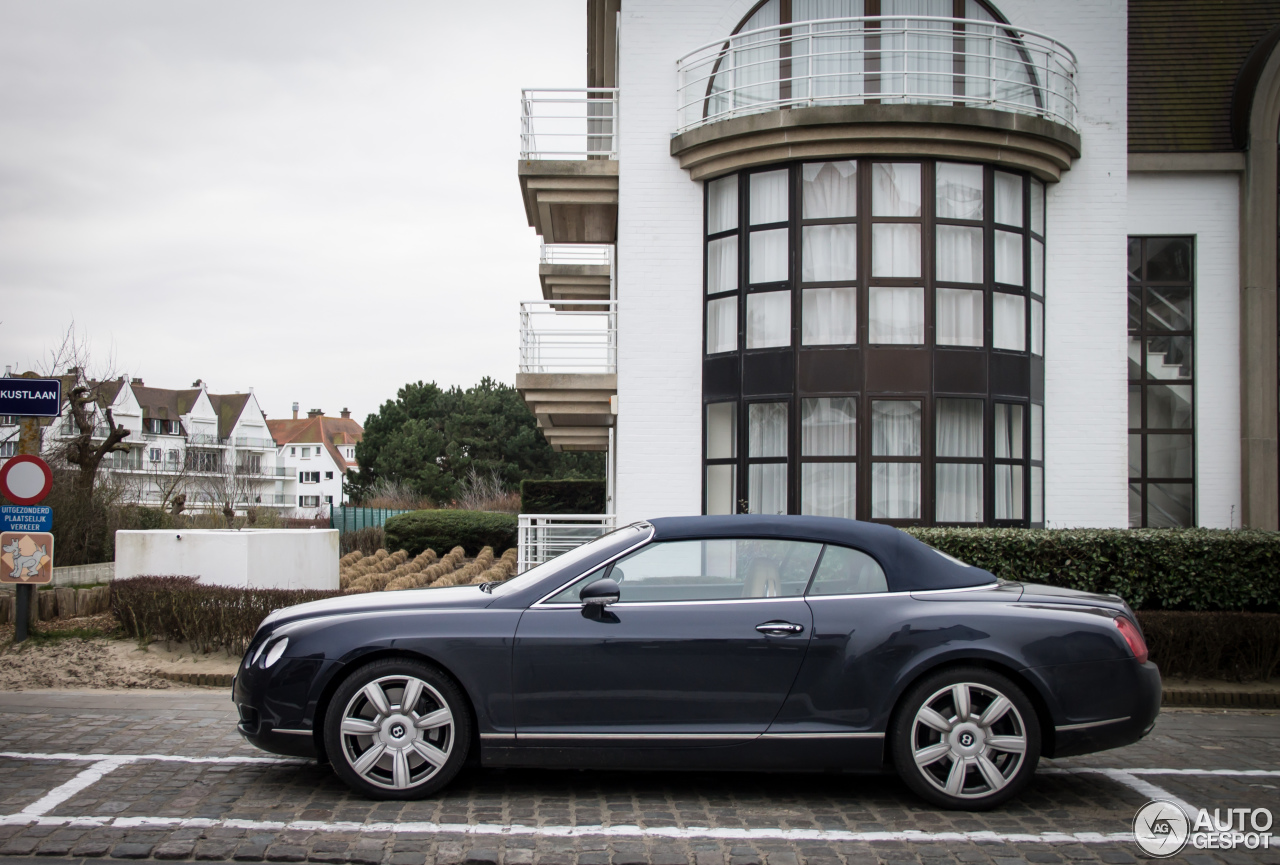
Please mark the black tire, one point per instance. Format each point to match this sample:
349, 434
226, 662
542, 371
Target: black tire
420, 752
980, 761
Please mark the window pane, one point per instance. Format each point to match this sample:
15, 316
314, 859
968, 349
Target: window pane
767, 429
1135, 259
1168, 259
1037, 328
828, 489
895, 189
830, 252
959, 254
1008, 492
895, 428
1169, 456
714, 570
830, 189
1037, 432
1135, 505
1135, 455
722, 204
1008, 258
896, 315
959, 317
828, 427
1008, 432
958, 493
722, 430
767, 488
1008, 199
722, 493
895, 491
769, 197
1135, 357
1008, 327
843, 571
959, 427
722, 265
1037, 494
1037, 268
1168, 308
959, 193
769, 255
722, 325
769, 319
1135, 406
1037, 207
1169, 505
1168, 357
830, 316
1169, 406
895, 250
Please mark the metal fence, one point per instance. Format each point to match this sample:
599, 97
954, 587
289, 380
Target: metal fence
581, 338
569, 123
598, 254
542, 537
349, 519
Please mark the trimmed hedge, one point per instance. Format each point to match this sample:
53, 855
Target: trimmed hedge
417, 531
1152, 569
562, 497
1236, 646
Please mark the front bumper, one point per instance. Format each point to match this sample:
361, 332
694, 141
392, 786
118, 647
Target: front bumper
277, 705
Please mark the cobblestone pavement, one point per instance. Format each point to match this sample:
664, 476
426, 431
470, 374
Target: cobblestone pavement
200, 793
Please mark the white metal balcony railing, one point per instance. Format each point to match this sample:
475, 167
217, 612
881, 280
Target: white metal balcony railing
576, 253
255, 443
885, 59
579, 337
207, 439
542, 537
569, 123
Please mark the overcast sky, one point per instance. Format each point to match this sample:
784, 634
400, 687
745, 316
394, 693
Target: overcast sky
314, 199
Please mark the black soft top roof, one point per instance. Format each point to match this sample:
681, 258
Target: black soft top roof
909, 565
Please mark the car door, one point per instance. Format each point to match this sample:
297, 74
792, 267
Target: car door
703, 645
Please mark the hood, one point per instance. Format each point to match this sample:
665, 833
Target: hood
370, 602
1035, 593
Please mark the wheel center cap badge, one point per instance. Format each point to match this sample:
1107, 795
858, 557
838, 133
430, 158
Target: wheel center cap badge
966, 739
397, 731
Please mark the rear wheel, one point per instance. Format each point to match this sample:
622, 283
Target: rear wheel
397, 729
966, 738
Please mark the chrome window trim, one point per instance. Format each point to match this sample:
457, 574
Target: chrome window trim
541, 603
1090, 724
986, 586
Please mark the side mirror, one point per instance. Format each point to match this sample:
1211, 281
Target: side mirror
600, 593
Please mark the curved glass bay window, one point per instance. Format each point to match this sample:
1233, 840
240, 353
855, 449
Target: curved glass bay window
874, 342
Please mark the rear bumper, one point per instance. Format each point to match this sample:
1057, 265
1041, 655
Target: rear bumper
1124, 707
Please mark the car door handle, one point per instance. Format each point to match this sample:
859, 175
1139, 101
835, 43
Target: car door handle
779, 629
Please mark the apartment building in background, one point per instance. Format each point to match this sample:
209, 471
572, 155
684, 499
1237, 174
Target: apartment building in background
317, 451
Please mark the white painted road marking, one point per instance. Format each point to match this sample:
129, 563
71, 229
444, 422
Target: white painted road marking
63, 792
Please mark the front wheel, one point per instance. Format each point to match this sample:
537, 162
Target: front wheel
966, 739
397, 729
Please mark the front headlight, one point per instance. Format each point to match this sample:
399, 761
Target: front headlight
277, 649
258, 653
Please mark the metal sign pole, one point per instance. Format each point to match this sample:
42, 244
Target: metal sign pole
28, 443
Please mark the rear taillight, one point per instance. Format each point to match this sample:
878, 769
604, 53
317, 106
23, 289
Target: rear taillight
1133, 637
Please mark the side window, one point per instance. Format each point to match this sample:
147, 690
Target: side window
714, 570
843, 571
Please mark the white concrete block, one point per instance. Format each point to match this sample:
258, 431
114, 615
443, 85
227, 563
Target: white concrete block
249, 558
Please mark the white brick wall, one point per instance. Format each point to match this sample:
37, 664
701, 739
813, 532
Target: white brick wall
1208, 207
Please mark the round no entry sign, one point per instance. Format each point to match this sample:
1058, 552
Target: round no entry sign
25, 480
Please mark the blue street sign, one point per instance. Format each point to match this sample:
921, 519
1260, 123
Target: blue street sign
26, 518
31, 397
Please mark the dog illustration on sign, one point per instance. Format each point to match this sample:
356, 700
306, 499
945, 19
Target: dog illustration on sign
25, 566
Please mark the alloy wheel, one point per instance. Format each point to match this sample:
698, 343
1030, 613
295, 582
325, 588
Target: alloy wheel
397, 732
968, 740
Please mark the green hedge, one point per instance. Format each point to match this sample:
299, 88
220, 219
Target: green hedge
443, 530
1170, 569
1236, 646
562, 497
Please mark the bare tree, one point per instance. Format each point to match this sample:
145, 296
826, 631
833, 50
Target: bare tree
223, 484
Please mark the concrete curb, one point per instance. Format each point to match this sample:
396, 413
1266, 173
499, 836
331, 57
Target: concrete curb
205, 680
1225, 699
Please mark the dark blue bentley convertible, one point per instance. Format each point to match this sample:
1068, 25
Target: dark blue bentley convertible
764, 643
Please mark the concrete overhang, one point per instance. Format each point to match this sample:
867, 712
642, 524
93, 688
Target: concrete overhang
1002, 138
574, 281
574, 410
571, 201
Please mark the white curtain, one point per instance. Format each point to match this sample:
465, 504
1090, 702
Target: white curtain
959, 317
895, 250
769, 197
827, 67
722, 325
896, 315
767, 429
958, 493
959, 427
1037, 268
959, 253
722, 204
1037, 207
895, 428
722, 264
828, 427
922, 63
1008, 257
830, 189
769, 319
828, 489
829, 316
895, 491
1037, 328
830, 252
768, 256
959, 191
722, 430
1008, 199
755, 70
767, 488
895, 189
1008, 492
722, 489
1008, 433
1008, 325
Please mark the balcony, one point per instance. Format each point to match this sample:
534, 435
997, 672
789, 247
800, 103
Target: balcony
256, 444
542, 537
576, 271
944, 87
569, 163
568, 370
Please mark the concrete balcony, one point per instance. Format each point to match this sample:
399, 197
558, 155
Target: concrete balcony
568, 371
568, 167
576, 272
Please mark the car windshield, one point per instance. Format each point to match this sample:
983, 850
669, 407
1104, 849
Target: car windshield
569, 560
